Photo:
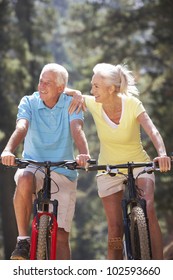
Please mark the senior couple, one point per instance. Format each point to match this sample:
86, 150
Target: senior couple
50, 120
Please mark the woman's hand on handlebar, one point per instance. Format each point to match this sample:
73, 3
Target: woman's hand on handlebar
8, 158
164, 163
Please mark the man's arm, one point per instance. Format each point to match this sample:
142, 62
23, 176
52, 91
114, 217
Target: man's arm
7, 156
80, 141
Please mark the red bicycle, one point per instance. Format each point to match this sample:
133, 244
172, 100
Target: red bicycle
44, 223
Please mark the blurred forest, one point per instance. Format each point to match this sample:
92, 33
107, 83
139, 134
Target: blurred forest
78, 34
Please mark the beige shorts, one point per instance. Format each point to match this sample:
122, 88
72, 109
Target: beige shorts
62, 189
108, 185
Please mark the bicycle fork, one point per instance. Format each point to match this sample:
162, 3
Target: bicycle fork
126, 223
52, 231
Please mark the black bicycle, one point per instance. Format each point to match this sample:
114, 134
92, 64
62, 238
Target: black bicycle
44, 222
137, 245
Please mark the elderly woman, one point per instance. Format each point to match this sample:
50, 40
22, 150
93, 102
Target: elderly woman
118, 115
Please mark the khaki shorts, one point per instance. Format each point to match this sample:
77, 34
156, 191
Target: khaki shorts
62, 189
108, 185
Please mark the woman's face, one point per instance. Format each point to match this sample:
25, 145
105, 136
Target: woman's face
99, 88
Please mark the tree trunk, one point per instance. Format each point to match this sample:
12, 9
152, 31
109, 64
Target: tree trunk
9, 228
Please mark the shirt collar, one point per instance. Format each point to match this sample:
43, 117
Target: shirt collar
59, 104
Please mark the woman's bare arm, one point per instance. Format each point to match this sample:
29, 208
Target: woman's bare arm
156, 138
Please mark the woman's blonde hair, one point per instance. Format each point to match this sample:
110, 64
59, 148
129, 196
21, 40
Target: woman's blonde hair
117, 75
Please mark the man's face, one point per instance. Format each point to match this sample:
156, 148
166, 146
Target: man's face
48, 89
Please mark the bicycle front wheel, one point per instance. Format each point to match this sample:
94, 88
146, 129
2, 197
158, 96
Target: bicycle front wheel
139, 235
43, 238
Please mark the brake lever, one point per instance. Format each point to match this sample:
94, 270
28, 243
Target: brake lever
21, 163
89, 163
71, 165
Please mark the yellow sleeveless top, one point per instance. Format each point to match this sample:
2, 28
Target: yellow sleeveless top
119, 143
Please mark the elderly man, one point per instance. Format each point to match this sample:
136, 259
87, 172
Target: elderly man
48, 131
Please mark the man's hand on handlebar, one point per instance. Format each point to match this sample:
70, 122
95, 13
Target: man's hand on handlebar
8, 158
82, 160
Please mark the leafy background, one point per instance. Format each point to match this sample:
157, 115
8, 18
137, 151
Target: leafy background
78, 34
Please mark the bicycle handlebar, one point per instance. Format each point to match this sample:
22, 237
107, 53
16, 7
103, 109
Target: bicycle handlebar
114, 169
91, 165
70, 164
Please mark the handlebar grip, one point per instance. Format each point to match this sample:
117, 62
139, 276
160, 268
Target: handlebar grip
21, 163
96, 167
171, 156
92, 168
17, 160
156, 164
91, 161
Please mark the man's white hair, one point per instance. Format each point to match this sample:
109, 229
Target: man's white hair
62, 74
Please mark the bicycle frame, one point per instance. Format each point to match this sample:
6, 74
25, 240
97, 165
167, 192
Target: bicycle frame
131, 201
42, 203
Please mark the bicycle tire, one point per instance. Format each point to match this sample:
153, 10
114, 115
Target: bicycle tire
43, 234
139, 235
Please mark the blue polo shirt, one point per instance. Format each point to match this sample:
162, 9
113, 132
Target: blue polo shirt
48, 136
